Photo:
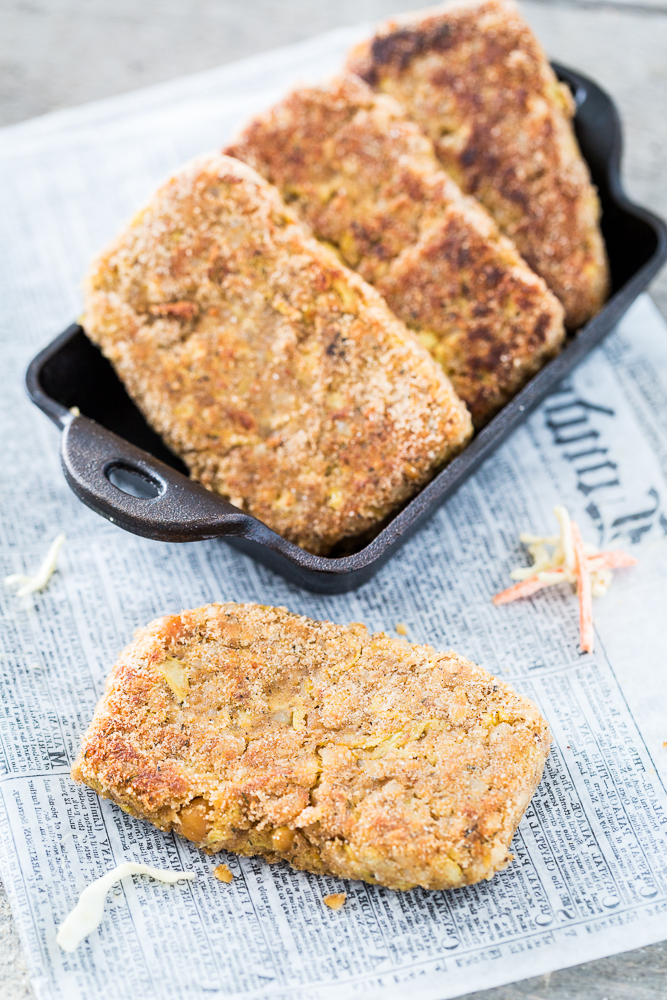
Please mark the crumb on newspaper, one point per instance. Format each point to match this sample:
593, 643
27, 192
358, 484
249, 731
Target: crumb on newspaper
566, 558
88, 912
223, 873
335, 900
31, 584
401, 628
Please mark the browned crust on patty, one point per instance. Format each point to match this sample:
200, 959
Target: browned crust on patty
476, 80
281, 378
251, 729
366, 180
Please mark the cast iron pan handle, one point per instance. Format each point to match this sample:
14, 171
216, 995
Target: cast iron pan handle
166, 505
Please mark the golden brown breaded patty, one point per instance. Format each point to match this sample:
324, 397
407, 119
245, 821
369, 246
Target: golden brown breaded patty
366, 179
251, 729
282, 379
476, 80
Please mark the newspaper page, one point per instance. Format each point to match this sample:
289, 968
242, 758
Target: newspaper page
589, 875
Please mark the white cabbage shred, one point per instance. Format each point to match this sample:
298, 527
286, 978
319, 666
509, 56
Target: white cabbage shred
88, 912
31, 584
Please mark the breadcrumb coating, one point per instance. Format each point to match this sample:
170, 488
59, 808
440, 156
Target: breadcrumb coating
282, 380
366, 179
251, 729
475, 79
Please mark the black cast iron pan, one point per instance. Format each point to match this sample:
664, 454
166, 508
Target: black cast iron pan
120, 468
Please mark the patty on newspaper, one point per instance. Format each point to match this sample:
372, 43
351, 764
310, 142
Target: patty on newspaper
476, 79
367, 180
282, 380
251, 729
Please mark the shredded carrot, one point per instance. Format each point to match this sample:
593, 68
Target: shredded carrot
584, 594
615, 559
569, 561
522, 589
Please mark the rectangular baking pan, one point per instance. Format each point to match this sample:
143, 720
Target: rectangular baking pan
120, 468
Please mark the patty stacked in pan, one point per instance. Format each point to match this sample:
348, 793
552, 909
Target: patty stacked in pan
364, 178
280, 377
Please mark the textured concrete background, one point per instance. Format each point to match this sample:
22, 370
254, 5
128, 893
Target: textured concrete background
58, 53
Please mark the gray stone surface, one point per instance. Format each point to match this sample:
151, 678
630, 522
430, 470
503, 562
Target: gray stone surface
14, 982
58, 53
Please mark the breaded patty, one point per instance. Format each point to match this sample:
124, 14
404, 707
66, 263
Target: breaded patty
476, 80
282, 380
366, 180
251, 729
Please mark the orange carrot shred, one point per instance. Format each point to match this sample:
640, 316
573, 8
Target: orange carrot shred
524, 588
584, 593
614, 559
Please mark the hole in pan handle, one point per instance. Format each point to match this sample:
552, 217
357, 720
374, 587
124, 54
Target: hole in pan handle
132, 481
141, 494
